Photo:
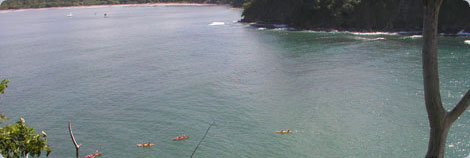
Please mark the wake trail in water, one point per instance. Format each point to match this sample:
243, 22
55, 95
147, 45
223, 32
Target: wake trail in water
217, 23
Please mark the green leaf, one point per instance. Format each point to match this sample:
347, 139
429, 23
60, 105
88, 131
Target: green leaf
19, 139
3, 85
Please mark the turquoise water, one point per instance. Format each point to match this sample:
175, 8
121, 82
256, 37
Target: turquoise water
152, 73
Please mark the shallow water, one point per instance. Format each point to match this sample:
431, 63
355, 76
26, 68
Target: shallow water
152, 73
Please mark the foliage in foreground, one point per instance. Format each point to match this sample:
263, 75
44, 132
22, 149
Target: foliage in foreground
3, 85
18, 140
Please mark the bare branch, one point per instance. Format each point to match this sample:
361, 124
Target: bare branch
77, 146
460, 108
71, 135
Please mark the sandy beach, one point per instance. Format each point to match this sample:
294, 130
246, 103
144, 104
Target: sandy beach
112, 5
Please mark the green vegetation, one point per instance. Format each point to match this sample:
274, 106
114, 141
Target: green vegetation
356, 15
17, 4
3, 118
3, 86
18, 140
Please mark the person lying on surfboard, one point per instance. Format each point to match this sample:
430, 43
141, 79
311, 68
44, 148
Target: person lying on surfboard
94, 154
180, 138
145, 145
283, 131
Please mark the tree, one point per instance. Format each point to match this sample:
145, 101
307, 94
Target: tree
440, 120
18, 140
3, 85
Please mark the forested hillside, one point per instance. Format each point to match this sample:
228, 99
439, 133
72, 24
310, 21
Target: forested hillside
351, 15
17, 4
356, 15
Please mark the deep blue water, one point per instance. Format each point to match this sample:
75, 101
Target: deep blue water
152, 73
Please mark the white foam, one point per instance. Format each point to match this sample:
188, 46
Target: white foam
373, 33
370, 39
261, 28
312, 31
413, 37
467, 41
217, 23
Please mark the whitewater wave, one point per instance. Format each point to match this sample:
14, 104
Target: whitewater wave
373, 33
217, 23
370, 39
412, 37
312, 31
467, 41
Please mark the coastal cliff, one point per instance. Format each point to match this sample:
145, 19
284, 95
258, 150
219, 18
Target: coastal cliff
356, 15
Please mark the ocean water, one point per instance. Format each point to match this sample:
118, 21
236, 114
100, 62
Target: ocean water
151, 73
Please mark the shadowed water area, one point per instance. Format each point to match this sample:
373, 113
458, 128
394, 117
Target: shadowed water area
148, 74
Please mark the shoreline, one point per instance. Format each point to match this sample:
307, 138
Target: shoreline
112, 5
269, 26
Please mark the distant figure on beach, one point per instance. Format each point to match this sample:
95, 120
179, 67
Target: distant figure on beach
105, 15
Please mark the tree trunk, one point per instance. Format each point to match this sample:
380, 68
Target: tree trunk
430, 67
437, 142
77, 152
432, 96
77, 146
439, 119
